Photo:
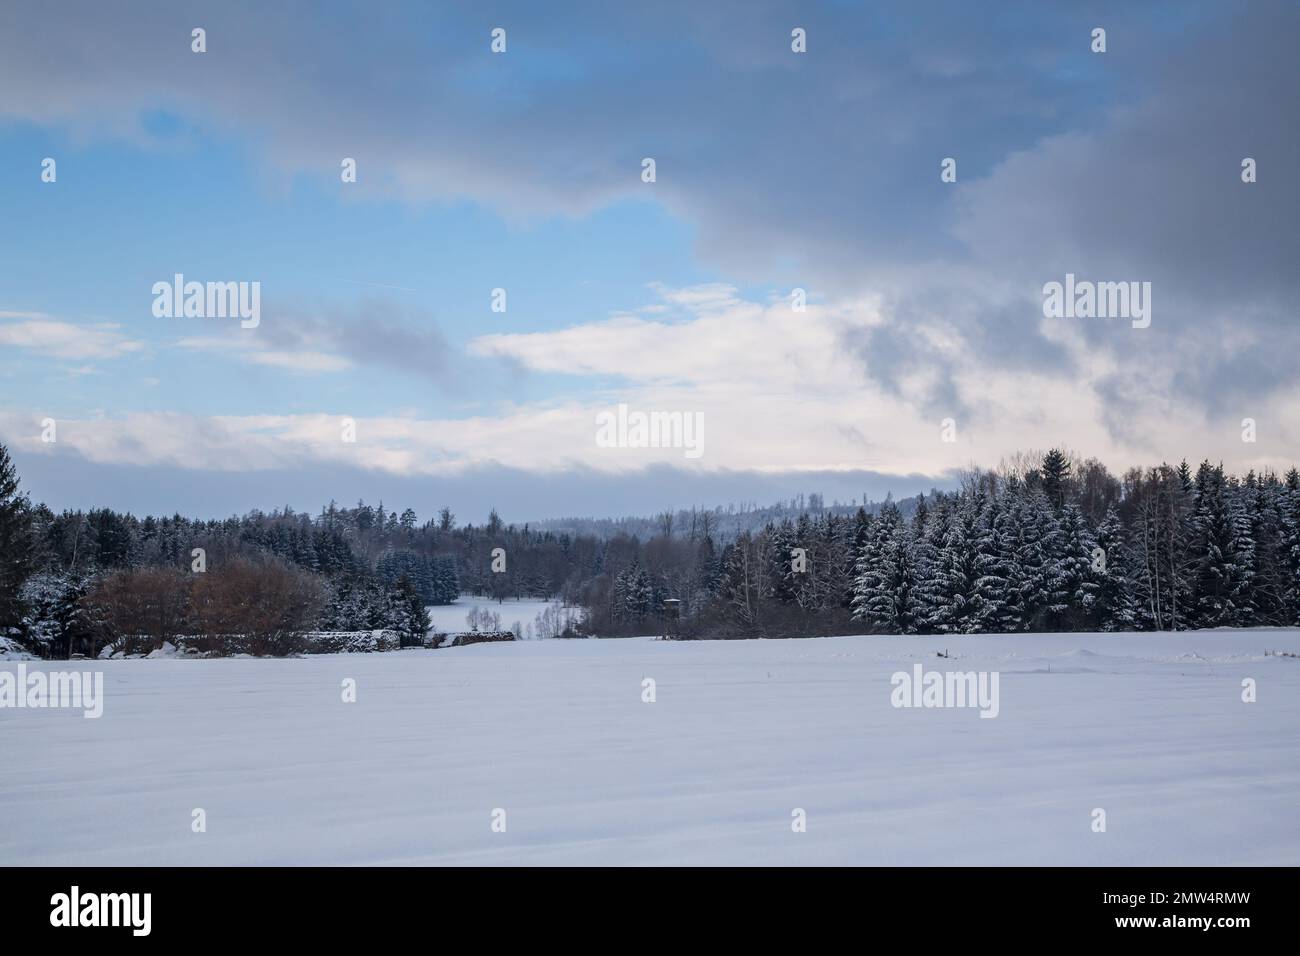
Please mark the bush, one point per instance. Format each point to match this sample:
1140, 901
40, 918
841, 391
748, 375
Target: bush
137, 611
352, 642
255, 607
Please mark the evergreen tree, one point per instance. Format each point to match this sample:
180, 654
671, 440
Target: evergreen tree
446, 587
56, 622
929, 544
1263, 500
1041, 595
1223, 552
708, 570
1077, 580
1115, 608
1290, 548
1055, 473
884, 591
783, 578
410, 616
1000, 583
959, 597
16, 546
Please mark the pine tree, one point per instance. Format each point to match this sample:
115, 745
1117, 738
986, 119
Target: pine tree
958, 597
56, 622
884, 591
410, 615
1263, 501
1116, 607
1290, 533
16, 546
1245, 558
1055, 473
782, 575
633, 596
1075, 569
1223, 551
446, 586
1041, 592
1000, 583
708, 572
929, 545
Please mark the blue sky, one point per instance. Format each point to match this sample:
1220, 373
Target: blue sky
212, 214
521, 170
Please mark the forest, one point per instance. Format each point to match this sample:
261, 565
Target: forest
1043, 543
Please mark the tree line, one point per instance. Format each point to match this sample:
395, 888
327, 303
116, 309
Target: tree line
1042, 543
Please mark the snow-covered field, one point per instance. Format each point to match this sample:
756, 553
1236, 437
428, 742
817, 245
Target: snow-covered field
451, 617
1150, 728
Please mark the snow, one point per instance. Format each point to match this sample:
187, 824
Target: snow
11, 650
449, 618
1151, 728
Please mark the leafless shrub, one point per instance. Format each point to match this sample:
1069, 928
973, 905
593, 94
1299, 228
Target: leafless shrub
138, 610
255, 607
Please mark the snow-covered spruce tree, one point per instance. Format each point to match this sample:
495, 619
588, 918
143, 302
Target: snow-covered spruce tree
1055, 476
884, 591
1115, 608
929, 541
16, 547
1037, 571
1001, 579
1074, 561
409, 614
958, 595
358, 604
635, 597
1266, 504
446, 582
868, 569
1263, 499
863, 519
405, 563
55, 622
1290, 509
1222, 551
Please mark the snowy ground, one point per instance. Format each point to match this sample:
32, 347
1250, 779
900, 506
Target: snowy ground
451, 617
1150, 728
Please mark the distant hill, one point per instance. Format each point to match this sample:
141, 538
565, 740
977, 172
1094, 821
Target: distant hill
722, 523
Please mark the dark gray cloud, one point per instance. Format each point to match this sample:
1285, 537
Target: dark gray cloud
1154, 193
827, 162
819, 170
374, 331
66, 480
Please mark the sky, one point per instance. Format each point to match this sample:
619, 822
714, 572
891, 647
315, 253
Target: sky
379, 369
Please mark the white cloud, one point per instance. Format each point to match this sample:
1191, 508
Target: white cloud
46, 335
248, 349
779, 392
